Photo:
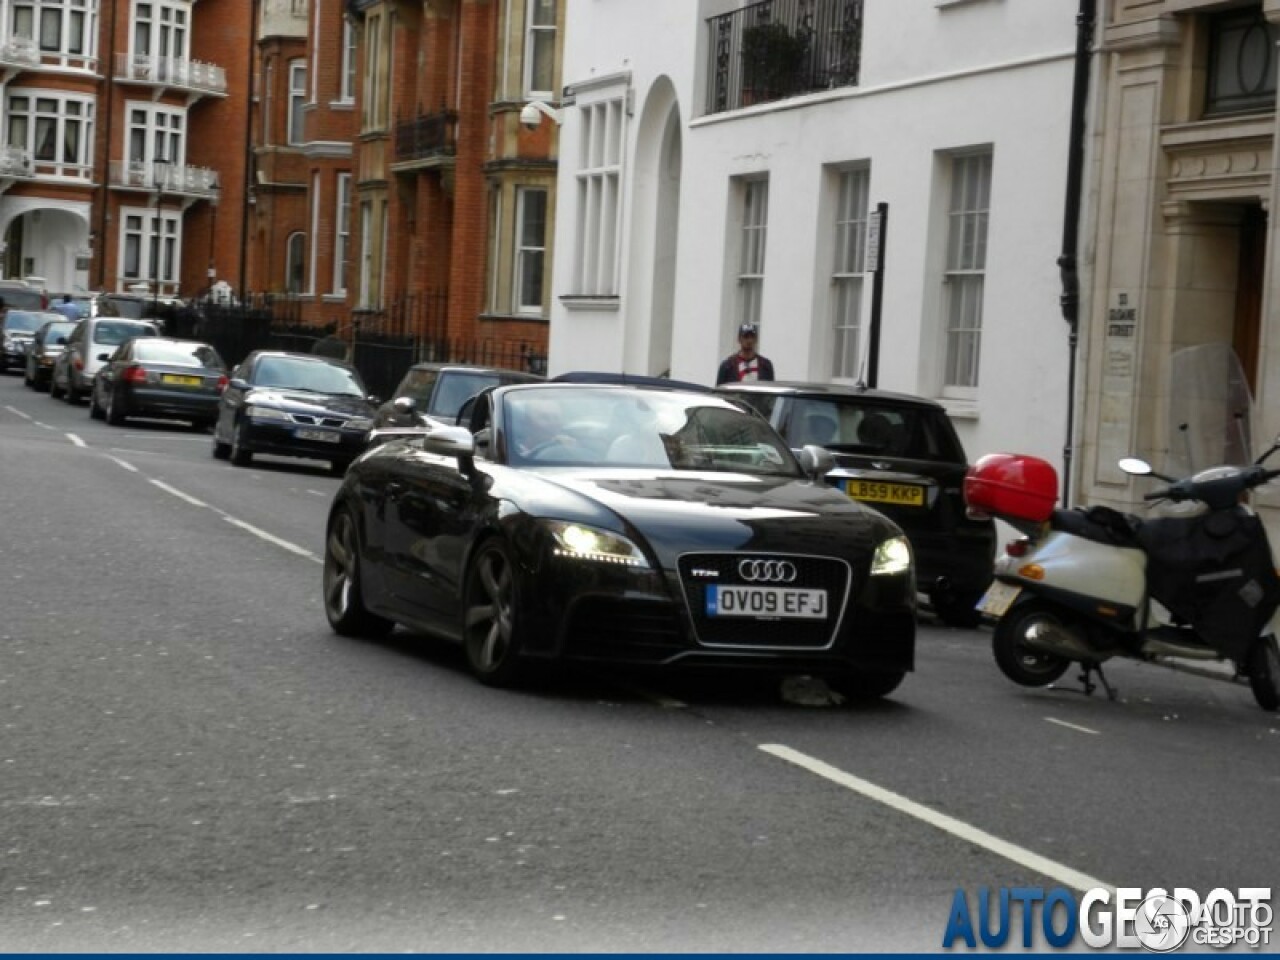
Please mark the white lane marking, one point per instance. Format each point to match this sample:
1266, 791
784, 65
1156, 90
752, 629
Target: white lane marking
123, 463
176, 492
15, 410
1072, 726
271, 538
76, 440
44, 425
318, 493
957, 828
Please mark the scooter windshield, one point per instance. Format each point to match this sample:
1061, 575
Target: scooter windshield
1210, 410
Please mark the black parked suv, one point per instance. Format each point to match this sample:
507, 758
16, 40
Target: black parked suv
900, 454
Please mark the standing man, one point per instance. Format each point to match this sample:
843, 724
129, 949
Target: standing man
68, 308
746, 364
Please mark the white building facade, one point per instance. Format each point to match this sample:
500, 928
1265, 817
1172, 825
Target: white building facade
720, 163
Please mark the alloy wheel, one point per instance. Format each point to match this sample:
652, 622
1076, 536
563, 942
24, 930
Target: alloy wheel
489, 623
339, 563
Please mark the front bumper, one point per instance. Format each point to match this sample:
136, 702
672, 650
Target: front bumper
283, 440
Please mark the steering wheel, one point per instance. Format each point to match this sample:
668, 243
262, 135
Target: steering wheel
537, 449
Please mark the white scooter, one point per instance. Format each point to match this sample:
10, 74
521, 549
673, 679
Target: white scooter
1084, 586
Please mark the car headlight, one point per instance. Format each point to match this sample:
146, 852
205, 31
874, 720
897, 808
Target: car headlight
891, 557
265, 413
581, 542
359, 423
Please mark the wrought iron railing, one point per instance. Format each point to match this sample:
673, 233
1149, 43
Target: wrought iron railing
429, 135
776, 49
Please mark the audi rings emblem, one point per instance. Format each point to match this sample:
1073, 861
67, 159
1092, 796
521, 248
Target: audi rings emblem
767, 571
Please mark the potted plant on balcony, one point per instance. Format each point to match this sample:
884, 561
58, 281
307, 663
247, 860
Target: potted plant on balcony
772, 60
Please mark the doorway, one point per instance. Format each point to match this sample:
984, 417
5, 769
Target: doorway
1247, 330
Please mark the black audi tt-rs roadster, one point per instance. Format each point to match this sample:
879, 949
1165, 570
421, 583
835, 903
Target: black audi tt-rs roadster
620, 524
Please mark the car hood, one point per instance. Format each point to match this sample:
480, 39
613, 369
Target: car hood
304, 401
681, 511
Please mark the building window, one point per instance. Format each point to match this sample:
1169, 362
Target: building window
599, 179
540, 49
850, 265
297, 100
374, 101
531, 248
151, 244
156, 135
58, 26
295, 263
348, 82
1242, 62
160, 30
57, 130
342, 240
966, 266
755, 230
366, 254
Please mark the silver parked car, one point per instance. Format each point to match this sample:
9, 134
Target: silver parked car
88, 348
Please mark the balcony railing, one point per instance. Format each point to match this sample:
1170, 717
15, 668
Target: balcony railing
19, 52
172, 71
175, 178
776, 49
427, 136
16, 163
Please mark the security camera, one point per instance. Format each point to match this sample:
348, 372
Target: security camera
530, 117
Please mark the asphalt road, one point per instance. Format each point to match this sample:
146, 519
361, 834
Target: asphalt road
191, 760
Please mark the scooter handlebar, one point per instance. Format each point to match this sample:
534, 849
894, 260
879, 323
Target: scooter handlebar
1213, 491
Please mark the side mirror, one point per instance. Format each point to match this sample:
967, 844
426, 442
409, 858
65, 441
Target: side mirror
1135, 467
453, 442
404, 405
816, 462
235, 383
61, 340
104, 357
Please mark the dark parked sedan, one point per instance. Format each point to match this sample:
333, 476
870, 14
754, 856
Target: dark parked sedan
293, 405
159, 377
624, 525
900, 454
17, 331
436, 392
50, 340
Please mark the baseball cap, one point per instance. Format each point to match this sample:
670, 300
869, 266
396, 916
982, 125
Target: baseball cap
748, 330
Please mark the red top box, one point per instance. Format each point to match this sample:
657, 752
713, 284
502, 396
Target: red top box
1012, 485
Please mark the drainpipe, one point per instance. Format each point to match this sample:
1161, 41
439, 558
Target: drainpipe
248, 149
1068, 263
104, 215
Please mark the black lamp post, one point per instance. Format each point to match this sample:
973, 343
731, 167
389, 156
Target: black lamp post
159, 173
214, 196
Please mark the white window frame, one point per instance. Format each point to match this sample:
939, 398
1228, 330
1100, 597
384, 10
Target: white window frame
366, 252
525, 250
848, 274
540, 41
315, 232
373, 102
298, 92
964, 270
139, 225
24, 125
295, 261
79, 18
167, 37
603, 131
342, 233
752, 251
347, 80
164, 134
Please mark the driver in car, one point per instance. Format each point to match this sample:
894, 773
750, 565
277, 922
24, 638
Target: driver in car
540, 428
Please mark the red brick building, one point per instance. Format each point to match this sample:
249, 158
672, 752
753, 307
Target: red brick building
124, 124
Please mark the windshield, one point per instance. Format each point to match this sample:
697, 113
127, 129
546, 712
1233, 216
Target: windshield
457, 388
417, 384
115, 332
21, 321
177, 353
23, 299
854, 425
53, 331
316, 376
640, 428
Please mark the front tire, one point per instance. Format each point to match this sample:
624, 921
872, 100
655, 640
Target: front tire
491, 633
114, 413
241, 455
1022, 665
872, 685
55, 391
343, 599
1264, 673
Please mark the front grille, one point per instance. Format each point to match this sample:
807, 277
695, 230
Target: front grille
698, 570
609, 628
314, 421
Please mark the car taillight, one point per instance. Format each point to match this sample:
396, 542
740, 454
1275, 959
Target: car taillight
78, 363
222, 383
134, 375
1017, 548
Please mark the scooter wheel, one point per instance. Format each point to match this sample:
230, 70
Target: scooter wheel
1018, 662
1264, 673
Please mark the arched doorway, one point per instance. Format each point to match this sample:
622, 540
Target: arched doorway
49, 245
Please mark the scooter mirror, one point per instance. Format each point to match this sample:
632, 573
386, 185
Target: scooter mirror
1135, 467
